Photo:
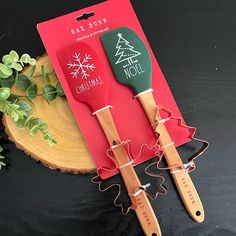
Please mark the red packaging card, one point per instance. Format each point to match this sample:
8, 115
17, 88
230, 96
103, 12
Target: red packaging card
128, 114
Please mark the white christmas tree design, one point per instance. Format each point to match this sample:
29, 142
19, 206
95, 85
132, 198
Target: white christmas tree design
81, 66
125, 51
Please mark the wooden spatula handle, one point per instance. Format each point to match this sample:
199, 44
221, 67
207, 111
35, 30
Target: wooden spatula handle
182, 179
143, 208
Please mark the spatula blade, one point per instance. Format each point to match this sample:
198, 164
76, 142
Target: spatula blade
85, 75
129, 58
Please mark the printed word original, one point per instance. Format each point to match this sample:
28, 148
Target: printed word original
133, 71
88, 85
90, 25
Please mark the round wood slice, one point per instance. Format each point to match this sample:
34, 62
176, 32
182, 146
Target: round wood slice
70, 154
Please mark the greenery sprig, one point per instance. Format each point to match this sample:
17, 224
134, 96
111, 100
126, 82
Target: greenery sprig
18, 106
12, 62
9, 75
20, 111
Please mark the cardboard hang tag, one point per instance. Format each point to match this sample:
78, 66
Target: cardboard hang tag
129, 116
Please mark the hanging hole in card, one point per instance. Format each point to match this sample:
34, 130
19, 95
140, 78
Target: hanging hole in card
85, 16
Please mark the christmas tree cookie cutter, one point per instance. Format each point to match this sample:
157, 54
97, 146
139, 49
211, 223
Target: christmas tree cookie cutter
154, 181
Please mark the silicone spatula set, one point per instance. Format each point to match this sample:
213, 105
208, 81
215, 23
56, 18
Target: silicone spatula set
132, 66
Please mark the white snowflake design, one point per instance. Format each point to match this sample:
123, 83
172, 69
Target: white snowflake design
81, 66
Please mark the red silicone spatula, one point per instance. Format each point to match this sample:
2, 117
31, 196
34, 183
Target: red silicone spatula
89, 84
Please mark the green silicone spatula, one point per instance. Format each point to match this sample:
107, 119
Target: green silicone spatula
132, 66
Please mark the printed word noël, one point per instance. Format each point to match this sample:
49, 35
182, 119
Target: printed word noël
88, 85
133, 71
90, 25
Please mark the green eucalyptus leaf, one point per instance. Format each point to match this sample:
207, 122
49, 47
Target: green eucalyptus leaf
49, 138
25, 58
43, 126
24, 105
3, 76
4, 93
31, 72
16, 66
8, 82
7, 60
34, 130
49, 92
32, 61
13, 98
60, 91
28, 120
45, 137
15, 111
15, 116
1, 148
35, 121
14, 56
22, 82
52, 141
20, 123
3, 106
32, 91
5, 70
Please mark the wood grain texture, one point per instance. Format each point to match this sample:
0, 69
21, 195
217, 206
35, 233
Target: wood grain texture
141, 204
182, 179
71, 153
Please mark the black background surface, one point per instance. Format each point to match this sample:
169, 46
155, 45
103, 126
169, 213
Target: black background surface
195, 44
